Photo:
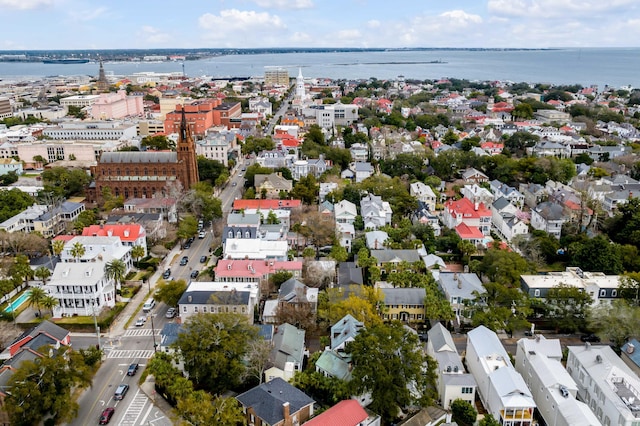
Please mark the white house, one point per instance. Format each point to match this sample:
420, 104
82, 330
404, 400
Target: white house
477, 194
538, 360
202, 297
345, 212
605, 383
425, 194
249, 248
345, 233
548, 217
459, 288
453, 382
375, 212
505, 220
502, 390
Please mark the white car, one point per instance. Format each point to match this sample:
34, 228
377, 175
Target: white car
201, 235
140, 322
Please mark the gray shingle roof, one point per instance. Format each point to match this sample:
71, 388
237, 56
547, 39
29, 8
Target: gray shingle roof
121, 157
267, 399
404, 296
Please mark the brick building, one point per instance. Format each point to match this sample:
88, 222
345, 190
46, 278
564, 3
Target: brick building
204, 114
143, 174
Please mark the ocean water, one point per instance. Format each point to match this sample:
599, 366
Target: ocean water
614, 67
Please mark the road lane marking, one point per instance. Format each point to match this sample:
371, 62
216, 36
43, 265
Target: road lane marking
144, 419
131, 354
140, 332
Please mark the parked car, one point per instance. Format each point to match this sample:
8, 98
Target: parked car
106, 415
592, 338
171, 312
133, 368
234, 184
184, 260
194, 274
203, 259
121, 391
201, 235
140, 321
187, 245
166, 274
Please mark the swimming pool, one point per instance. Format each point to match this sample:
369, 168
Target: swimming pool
19, 301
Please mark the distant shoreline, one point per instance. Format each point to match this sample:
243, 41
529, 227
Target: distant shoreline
134, 55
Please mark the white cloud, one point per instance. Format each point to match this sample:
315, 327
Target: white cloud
285, 4
25, 4
348, 35
374, 23
299, 37
460, 18
153, 35
557, 8
87, 15
242, 28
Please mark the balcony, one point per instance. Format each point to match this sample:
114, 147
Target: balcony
517, 417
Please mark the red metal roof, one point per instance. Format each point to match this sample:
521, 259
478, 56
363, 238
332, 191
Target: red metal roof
469, 232
344, 413
129, 232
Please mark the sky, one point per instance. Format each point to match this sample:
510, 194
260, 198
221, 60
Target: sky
144, 24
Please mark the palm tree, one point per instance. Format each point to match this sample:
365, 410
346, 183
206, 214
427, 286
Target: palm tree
43, 273
57, 246
21, 270
115, 270
49, 302
36, 296
137, 252
77, 250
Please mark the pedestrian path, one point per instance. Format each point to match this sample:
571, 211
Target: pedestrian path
134, 410
146, 354
140, 332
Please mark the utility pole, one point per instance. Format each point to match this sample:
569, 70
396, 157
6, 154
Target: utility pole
153, 330
95, 321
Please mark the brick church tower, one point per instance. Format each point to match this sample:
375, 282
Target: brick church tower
186, 150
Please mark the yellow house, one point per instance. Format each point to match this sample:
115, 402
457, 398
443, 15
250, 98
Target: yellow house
404, 304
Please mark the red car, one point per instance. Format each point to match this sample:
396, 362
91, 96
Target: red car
106, 415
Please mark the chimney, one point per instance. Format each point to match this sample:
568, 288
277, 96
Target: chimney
630, 348
285, 411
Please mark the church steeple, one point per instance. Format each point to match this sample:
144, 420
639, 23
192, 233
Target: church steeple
186, 148
300, 92
102, 86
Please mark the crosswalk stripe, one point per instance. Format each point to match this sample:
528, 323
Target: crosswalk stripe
140, 332
146, 354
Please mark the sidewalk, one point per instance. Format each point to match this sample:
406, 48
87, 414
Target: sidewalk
148, 388
117, 327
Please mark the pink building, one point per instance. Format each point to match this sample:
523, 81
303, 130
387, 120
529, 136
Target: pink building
116, 105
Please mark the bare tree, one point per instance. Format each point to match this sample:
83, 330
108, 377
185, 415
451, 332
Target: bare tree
257, 357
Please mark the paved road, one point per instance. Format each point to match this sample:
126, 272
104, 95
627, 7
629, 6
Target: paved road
123, 346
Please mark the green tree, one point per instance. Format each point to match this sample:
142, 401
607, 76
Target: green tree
306, 189
158, 143
13, 202
76, 111
212, 347
115, 270
20, 269
338, 253
36, 295
211, 170
410, 165
85, 218
278, 277
463, 413
616, 322
624, 227
386, 360
596, 254
49, 302
488, 420
57, 247
61, 181
257, 145
500, 308
42, 387
170, 292
504, 267
187, 228
363, 303
567, 307
137, 252
200, 202
43, 273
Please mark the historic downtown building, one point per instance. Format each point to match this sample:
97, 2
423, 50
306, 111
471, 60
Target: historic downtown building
143, 174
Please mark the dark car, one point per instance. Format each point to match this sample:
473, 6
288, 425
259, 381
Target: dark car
133, 368
184, 260
166, 274
121, 391
195, 273
592, 338
106, 415
187, 245
203, 259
